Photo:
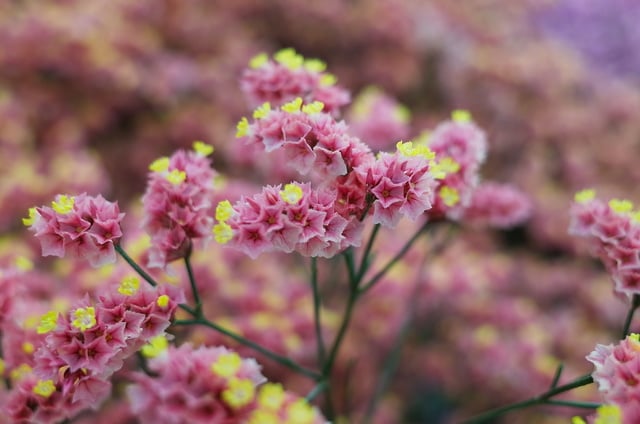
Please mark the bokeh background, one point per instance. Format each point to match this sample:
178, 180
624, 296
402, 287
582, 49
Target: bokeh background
92, 91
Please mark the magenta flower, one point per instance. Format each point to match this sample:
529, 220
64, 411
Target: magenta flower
177, 205
81, 226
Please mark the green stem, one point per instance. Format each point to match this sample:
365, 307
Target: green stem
141, 272
538, 400
556, 377
635, 303
197, 312
366, 287
574, 404
346, 319
282, 360
316, 311
317, 389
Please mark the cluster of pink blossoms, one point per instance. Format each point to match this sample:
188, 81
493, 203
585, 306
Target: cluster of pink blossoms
177, 203
497, 205
613, 232
312, 140
289, 75
617, 373
81, 226
460, 148
213, 385
84, 347
296, 218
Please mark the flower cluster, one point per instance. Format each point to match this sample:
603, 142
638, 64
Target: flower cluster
293, 218
83, 347
81, 226
289, 75
212, 384
497, 205
614, 236
460, 148
617, 373
177, 203
400, 183
310, 139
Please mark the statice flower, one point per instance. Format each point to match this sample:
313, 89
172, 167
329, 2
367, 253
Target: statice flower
400, 184
617, 373
313, 141
497, 205
460, 148
288, 76
613, 234
177, 203
196, 385
293, 218
275, 405
81, 226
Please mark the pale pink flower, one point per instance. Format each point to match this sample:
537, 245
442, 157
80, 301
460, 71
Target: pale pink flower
497, 205
82, 226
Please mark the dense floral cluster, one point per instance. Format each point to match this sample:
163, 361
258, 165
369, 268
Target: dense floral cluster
81, 226
178, 203
614, 236
213, 384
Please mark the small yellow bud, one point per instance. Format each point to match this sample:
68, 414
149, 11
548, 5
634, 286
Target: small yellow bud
242, 128
584, 196
203, 149
328, 80
44, 388
449, 196
311, 108
621, 206
28, 348
33, 214
315, 65
155, 347
129, 286
291, 194
48, 322
461, 116
293, 106
23, 263
176, 177
84, 318
227, 365
300, 412
240, 393
64, 204
224, 211
160, 164
262, 111
163, 301
258, 60
223, 233
289, 58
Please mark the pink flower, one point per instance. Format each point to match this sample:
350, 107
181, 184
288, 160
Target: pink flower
288, 76
497, 205
613, 233
460, 148
177, 205
203, 385
82, 226
400, 184
294, 218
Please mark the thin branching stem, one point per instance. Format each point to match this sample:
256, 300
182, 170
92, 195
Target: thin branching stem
317, 303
